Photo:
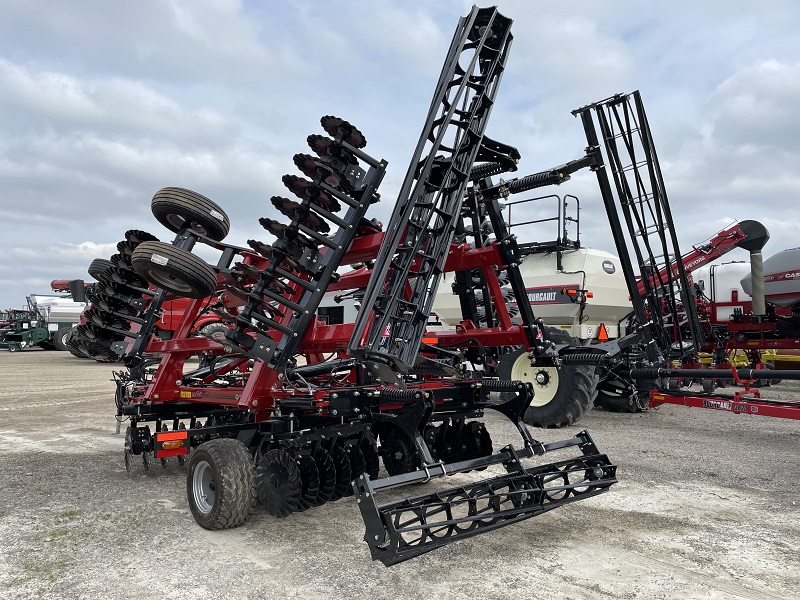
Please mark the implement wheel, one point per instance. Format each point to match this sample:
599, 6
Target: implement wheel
176, 271
562, 395
220, 483
174, 207
98, 267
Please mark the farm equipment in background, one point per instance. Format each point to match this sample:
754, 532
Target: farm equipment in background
46, 322
662, 352
293, 412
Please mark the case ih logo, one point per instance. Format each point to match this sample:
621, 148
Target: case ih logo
785, 276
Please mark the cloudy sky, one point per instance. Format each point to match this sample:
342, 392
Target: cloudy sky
104, 103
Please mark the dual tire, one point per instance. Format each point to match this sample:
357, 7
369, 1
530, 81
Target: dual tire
169, 267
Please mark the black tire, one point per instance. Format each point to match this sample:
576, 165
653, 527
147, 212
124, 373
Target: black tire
61, 337
613, 395
562, 395
98, 267
766, 382
216, 331
220, 483
174, 270
173, 207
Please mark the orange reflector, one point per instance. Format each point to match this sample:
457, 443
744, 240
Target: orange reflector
602, 333
572, 292
172, 444
590, 294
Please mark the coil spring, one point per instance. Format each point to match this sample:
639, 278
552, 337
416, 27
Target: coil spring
584, 358
501, 385
536, 180
395, 395
486, 170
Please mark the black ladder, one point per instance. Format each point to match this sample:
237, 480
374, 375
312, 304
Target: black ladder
398, 299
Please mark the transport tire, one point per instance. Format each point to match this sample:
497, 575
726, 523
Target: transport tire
174, 207
562, 395
220, 483
216, 331
98, 267
174, 270
61, 337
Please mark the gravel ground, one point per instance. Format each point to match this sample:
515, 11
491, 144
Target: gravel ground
705, 508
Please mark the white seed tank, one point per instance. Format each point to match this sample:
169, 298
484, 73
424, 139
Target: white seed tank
596, 271
58, 310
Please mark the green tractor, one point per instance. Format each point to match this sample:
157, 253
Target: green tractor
46, 322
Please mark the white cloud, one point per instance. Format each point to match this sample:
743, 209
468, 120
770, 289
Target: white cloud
102, 104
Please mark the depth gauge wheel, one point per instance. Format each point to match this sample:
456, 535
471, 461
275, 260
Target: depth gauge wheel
216, 331
220, 483
175, 270
174, 207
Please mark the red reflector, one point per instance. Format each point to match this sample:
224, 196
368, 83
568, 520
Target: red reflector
163, 436
171, 443
602, 333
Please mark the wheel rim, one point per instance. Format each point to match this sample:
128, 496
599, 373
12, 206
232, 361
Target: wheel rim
204, 487
177, 221
168, 282
543, 379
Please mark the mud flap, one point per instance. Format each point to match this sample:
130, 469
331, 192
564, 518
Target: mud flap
400, 530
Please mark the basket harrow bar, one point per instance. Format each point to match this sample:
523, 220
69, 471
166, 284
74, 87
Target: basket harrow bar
400, 530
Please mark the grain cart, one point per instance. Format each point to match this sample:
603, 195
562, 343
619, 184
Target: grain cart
295, 412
